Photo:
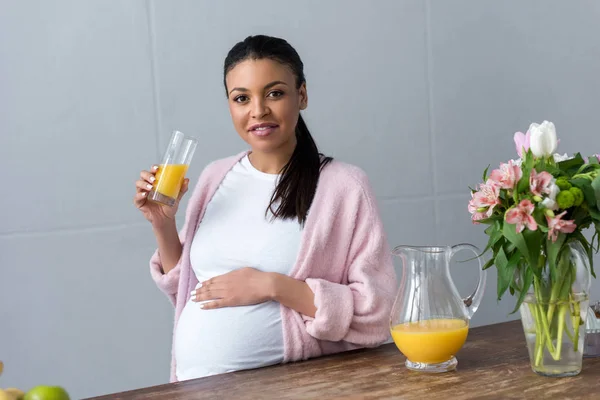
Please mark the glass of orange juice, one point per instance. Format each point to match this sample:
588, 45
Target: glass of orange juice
172, 169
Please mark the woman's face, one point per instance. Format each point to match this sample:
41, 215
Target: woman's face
265, 104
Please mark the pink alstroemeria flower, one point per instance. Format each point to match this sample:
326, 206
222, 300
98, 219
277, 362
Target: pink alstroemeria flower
522, 141
540, 183
507, 175
484, 200
521, 216
557, 224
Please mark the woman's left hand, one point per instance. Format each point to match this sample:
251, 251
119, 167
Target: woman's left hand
242, 287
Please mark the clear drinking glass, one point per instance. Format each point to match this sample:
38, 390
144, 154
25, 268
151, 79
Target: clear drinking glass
172, 169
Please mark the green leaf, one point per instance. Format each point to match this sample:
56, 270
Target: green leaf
596, 186
595, 213
501, 264
555, 171
506, 271
596, 238
527, 281
510, 233
534, 240
488, 264
509, 248
571, 166
495, 233
592, 160
485, 173
580, 216
552, 250
585, 168
526, 167
540, 218
528, 242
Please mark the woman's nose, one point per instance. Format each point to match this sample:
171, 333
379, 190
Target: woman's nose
259, 109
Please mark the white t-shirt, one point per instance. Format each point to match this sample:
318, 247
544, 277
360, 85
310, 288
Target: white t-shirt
235, 233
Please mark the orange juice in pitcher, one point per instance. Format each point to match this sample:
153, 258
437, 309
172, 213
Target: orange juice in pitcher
430, 341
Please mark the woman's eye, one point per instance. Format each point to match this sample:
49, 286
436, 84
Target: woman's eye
241, 99
276, 93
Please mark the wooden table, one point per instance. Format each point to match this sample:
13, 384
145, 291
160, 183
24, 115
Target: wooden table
493, 364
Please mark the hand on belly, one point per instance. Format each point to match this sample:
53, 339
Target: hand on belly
242, 287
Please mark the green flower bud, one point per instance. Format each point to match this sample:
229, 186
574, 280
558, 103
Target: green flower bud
563, 183
577, 196
565, 199
537, 199
482, 209
549, 213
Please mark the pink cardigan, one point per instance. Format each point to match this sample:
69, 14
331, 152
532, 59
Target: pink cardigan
344, 257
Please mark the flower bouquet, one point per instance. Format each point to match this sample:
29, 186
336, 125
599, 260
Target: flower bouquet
537, 208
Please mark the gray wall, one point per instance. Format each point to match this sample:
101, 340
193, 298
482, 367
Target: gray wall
421, 94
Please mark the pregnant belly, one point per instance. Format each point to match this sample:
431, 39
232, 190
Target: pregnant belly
210, 342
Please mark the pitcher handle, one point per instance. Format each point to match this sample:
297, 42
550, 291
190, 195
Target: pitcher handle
472, 301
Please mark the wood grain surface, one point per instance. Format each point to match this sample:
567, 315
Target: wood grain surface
493, 364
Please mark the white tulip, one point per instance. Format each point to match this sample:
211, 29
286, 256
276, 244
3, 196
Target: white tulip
543, 139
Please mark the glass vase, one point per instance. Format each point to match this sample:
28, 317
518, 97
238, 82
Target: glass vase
554, 313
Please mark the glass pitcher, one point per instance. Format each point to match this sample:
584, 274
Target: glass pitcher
430, 321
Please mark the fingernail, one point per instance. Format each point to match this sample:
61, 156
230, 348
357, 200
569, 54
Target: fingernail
152, 179
144, 194
200, 285
149, 186
154, 168
193, 298
193, 292
201, 305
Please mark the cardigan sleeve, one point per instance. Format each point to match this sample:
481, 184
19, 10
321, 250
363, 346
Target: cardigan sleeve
169, 282
358, 312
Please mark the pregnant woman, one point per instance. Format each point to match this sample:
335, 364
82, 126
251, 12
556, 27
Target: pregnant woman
283, 254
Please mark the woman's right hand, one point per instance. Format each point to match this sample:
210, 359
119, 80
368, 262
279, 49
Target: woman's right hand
158, 214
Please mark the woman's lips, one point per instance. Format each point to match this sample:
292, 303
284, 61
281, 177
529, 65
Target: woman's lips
263, 130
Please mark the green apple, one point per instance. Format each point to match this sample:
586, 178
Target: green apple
47, 393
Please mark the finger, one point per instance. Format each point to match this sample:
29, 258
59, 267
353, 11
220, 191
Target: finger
142, 185
148, 176
184, 188
140, 199
211, 305
208, 294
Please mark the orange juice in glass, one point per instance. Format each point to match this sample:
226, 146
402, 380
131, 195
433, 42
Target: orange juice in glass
171, 171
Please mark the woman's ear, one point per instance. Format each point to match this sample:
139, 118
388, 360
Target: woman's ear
303, 96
